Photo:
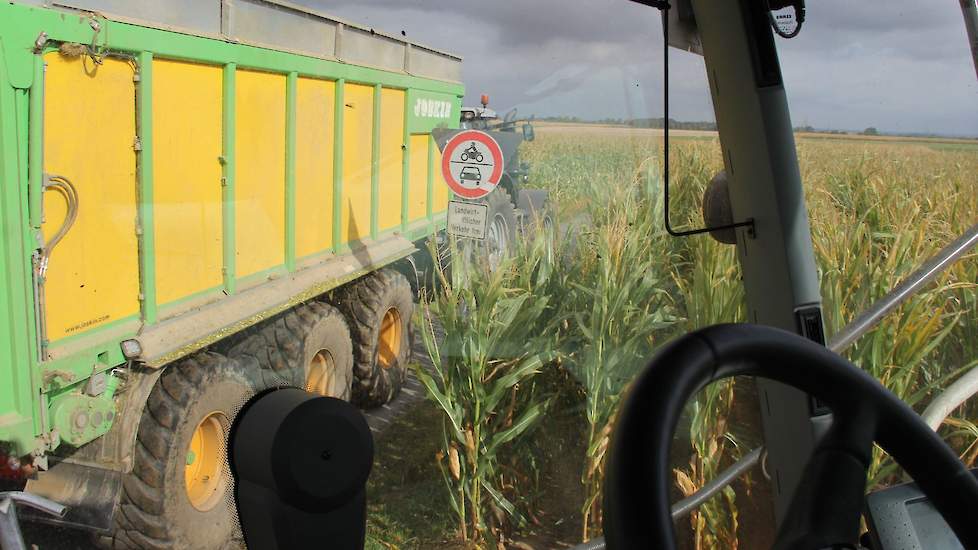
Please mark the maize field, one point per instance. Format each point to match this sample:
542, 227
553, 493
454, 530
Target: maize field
531, 360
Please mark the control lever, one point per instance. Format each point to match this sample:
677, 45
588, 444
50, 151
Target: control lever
301, 464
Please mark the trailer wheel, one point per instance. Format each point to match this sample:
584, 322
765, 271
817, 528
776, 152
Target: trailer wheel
379, 310
180, 492
306, 347
327, 350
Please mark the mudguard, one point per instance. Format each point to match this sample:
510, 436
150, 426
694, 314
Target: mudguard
89, 480
532, 201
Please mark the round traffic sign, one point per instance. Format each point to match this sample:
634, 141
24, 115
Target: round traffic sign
472, 164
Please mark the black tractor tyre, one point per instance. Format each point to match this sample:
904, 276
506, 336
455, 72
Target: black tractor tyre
379, 310
158, 508
435, 256
540, 219
500, 240
306, 347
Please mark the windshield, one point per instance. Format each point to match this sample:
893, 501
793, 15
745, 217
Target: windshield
456, 223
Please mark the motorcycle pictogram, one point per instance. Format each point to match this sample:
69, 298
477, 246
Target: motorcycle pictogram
472, 153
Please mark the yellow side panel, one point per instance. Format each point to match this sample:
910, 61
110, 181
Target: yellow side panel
314, 166
260, 172
418, 192
441, 193
357, 149
391, 158
89, 130
187, 145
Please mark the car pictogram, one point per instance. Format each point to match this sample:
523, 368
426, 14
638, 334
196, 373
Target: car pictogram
471, 173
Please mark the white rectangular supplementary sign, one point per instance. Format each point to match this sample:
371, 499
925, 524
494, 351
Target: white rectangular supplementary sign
467, 219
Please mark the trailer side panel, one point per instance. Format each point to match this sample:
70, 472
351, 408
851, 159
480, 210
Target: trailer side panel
187, 147
260, 175
314, 166
218, 183
92, 278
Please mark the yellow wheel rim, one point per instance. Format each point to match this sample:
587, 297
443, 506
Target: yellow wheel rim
320, 375
389, 342
205, 473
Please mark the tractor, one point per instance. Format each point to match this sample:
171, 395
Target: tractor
513, 208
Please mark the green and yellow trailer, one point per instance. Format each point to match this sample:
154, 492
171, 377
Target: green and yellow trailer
199, 200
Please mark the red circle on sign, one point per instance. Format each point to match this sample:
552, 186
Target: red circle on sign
446, 163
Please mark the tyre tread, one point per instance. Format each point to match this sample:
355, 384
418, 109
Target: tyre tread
362, 303
138, 519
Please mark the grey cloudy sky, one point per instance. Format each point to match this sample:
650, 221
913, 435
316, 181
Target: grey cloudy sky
899, 65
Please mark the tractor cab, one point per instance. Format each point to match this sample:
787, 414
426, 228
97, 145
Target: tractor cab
484, 118
478, 118
349, 312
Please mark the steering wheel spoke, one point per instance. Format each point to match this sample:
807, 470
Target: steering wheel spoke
825, 509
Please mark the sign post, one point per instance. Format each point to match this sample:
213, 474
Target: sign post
472, 165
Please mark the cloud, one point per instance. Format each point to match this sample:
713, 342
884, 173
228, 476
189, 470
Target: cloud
519, 23
903, 69
900, 65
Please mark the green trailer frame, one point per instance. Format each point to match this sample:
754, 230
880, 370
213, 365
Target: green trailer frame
30, 382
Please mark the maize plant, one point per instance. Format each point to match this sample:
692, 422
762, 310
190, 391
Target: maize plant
893, 224
711, 294
482, 383
618, 306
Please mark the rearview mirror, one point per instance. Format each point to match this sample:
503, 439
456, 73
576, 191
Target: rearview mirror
528, 132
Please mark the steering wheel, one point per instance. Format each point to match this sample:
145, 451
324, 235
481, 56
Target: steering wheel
826, 507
